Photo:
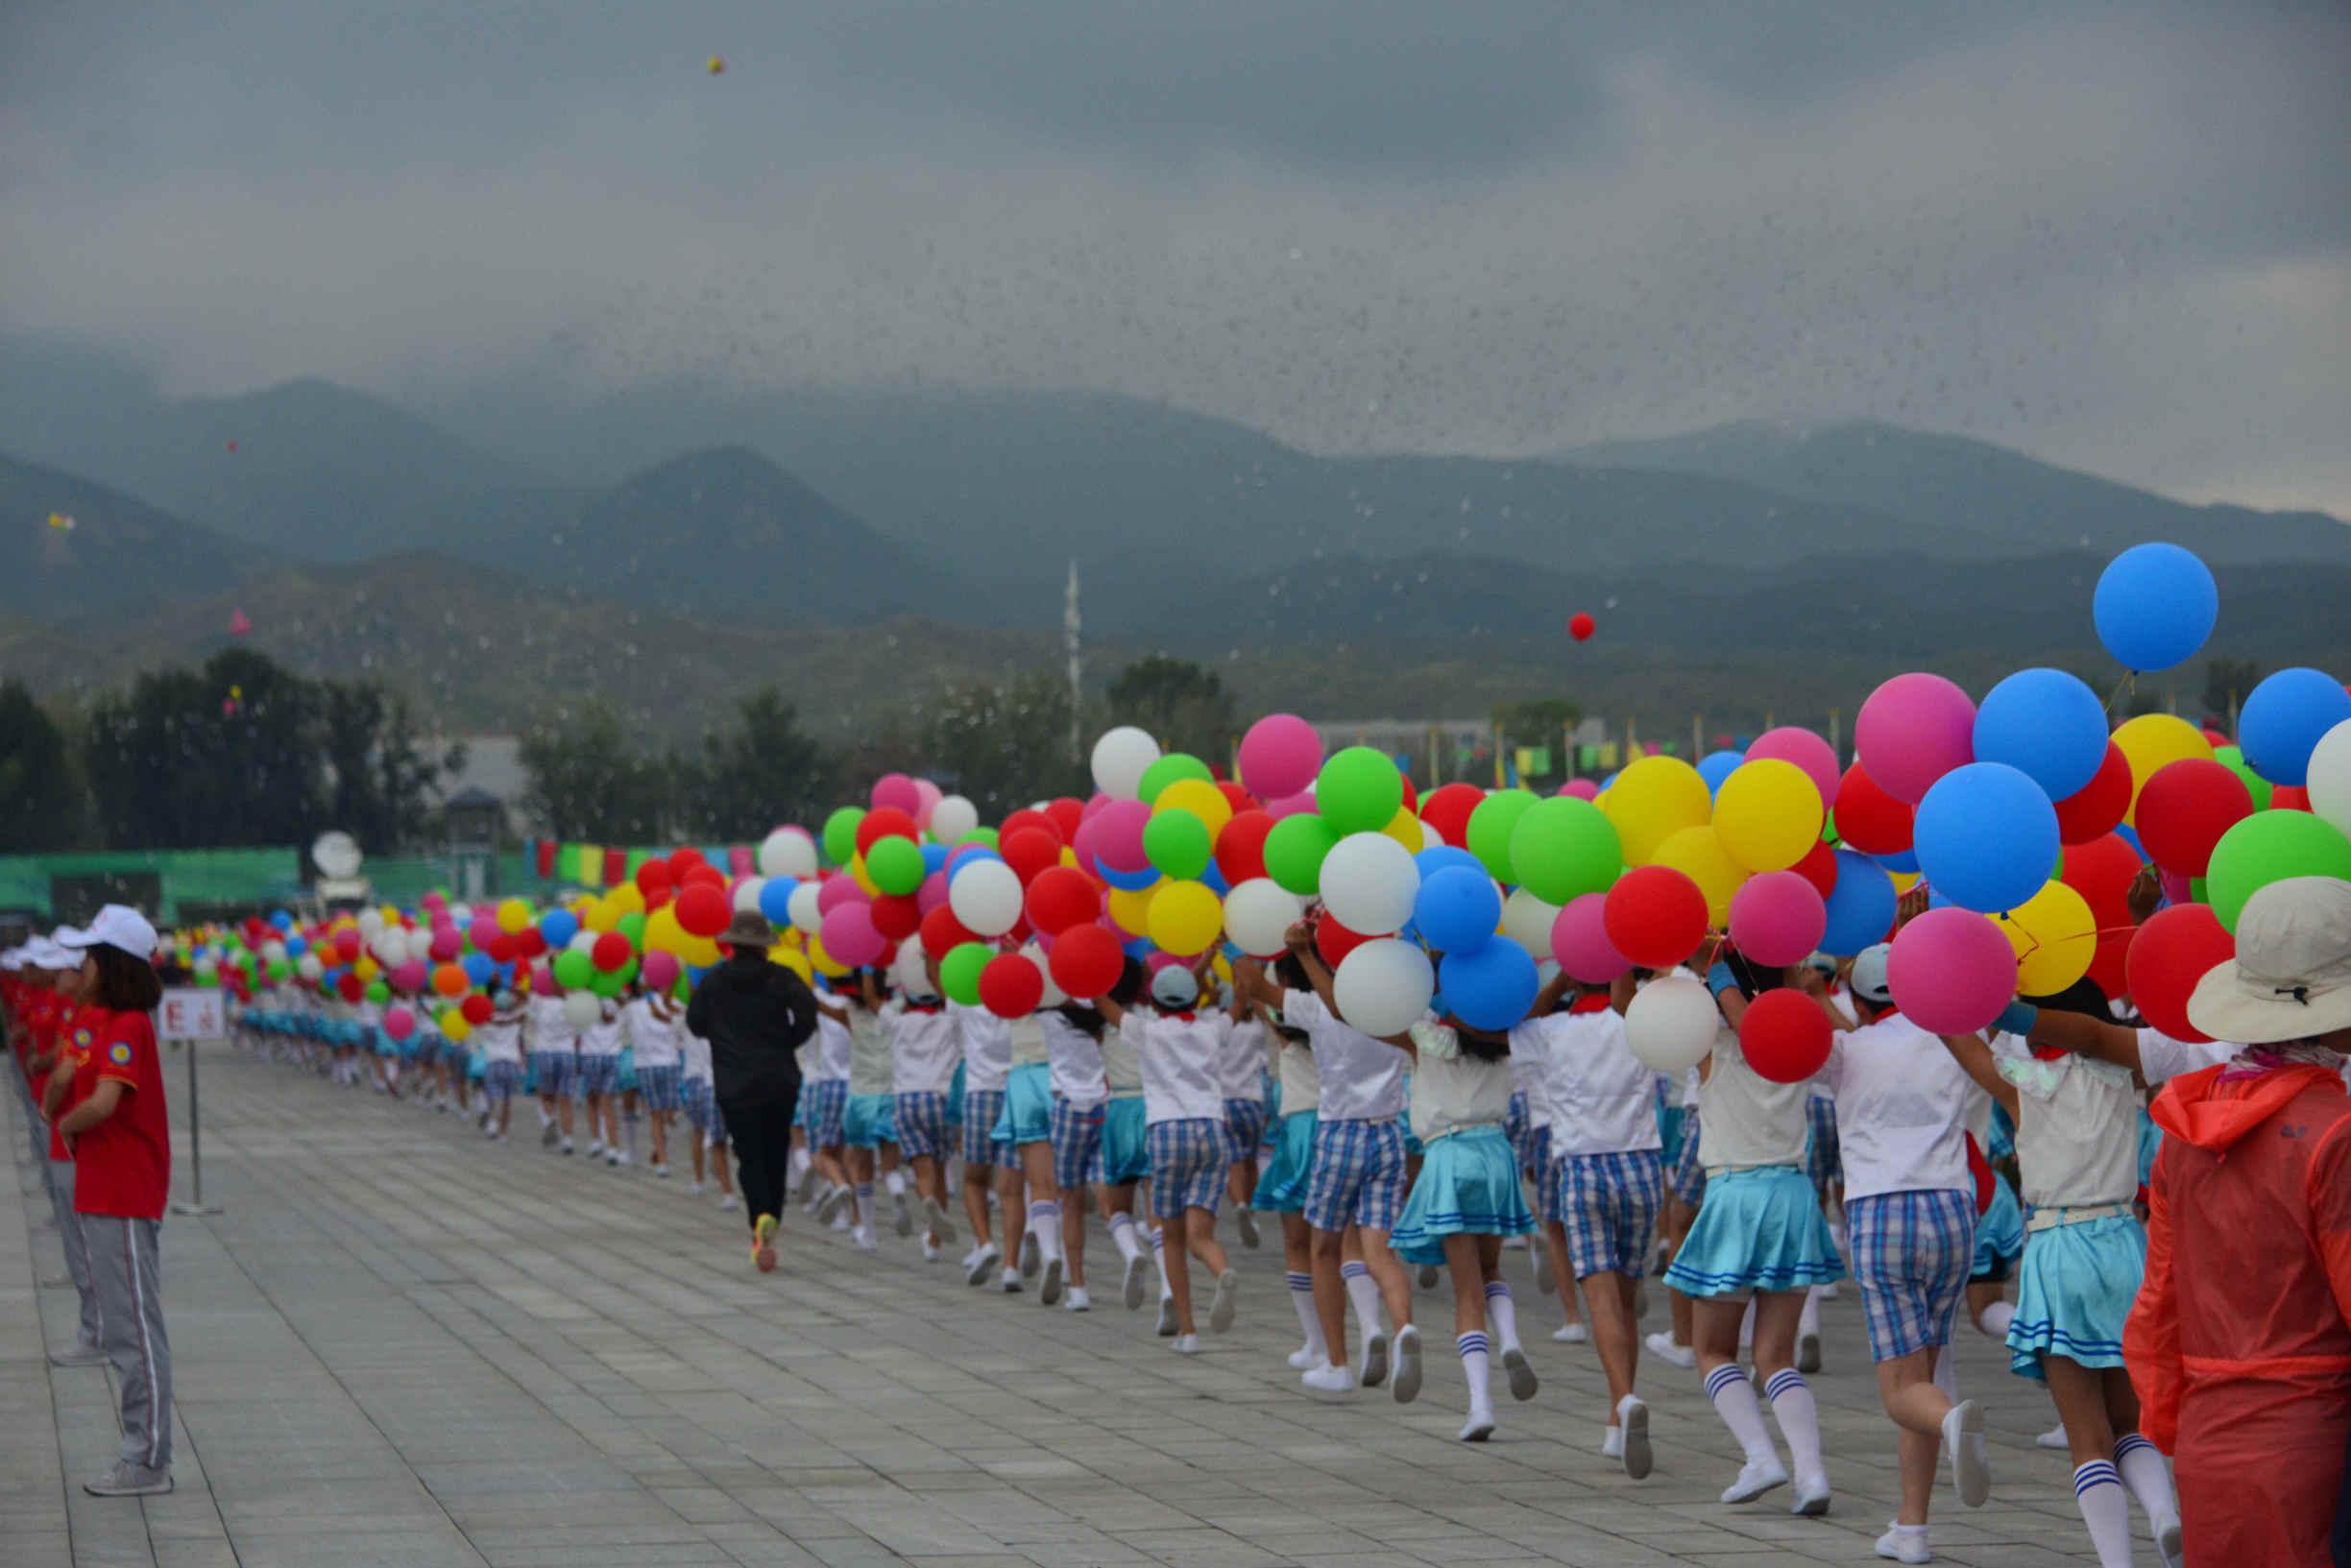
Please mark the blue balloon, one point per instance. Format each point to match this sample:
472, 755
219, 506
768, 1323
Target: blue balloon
283, 921
1138, 947
1133, 882
477, 968
1490, 986
2047, 725
2154, 606
296, 945
2284, 720
1458, 908
934, 857
1439, 856
1213, 878
1860, 905
775, 899
1902, 860
1986, 838
2130, 836
1717, 765
559, 927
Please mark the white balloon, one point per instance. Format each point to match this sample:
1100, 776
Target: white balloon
2329, 780
1119, 757
952, 818
583, 940
1368, 883
986, 895
581, 1008
1430, 837
788, 852
461, 915
1383, 987
1670, 1027
309, 968
1258, 915
391, 947
907, 970
371, 923
1527, 920
747, 894
1053, 995
803, 908
273, 948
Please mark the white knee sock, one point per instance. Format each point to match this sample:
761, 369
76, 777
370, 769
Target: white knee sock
1474, 1358
2098, 1491
1045, 1224
1363, 1293
1997, 1317
894, 1182
1160, 1262
1502, 1314
1799, 1421
1301, 1297
2141, 1468
1946, 1374
864, 1203
1734, 1401
1122, 1235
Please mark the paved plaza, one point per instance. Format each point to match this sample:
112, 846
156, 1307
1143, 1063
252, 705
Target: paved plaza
402, 1345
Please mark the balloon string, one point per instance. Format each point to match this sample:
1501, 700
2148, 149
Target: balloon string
2128, 683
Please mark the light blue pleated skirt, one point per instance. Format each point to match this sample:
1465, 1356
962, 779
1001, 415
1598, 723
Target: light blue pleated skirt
2000, 1233
2074, 1291
1125, 1160
1281, 1186
1757, 1230
1027, 1117
1469, 1185
870, 1120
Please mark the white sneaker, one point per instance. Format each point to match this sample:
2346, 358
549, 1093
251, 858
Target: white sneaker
1327, 1379
567, 1144
1010, 1283
978, 1263
1812, 1497
1407, 1385
1221, 1305
1575, 1333
2168, 1543
1131, 1289
842, 1222
548, 1132
1245, 1219
903, 1219
1374, 1369
596, 1148
123, 1478
2053, 1437
1032, 1255
1078, 1301
1755, 1478
1187, 1344
1661, 1344
941, 1225
1970, 1461
612, 1159
1478, 1428
1049, 1288
930, 1251
1167, 1316
1427, 1277
661, 1170
1632, 1430
728, 1203
1523, 1385
1900, 1545
864, 1241
1307, 1356
835, 1198
697, 1188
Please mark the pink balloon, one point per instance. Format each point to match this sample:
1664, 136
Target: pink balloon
849, 935
409, 976
2175, 887
1583, 789
1579, 941
1951, 972
1118, 841
543, 981
739, 863
1280, 756
1913, 730
1289, 805
896, 789
399, 1023
1778, 918
835, 892
1793, 743
660, 971
1087, 843
1158, 961
932, 893
484, 931
445, 943
928, 795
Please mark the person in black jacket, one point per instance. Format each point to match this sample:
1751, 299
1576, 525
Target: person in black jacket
754, 1014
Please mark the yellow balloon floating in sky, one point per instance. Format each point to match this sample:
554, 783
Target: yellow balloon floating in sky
717, 67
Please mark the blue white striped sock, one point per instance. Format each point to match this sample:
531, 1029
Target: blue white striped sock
2105, 1509
1302, 1301
1734, 1401
1476, 1366
1798, 1418
2142, 1468
1363, 1294
1502, 1312
1121, 1234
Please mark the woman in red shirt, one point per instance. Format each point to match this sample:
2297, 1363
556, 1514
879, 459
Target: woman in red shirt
120, 1135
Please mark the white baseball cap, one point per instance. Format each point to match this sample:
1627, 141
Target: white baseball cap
13, 959
43, 954
1869, 974
1174, 987
117, 925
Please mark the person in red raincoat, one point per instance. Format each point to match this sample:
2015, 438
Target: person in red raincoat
2239, 1343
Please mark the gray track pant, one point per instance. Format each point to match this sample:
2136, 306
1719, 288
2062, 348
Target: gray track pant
76, 1249
124, 1268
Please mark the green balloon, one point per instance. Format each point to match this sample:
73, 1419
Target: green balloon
895, 865
1294, 852
633, 927
979, 835
207, 979
609, 986
2269, 847
1492, 825
1166, 771
2233, 758
1829, 833
378, 992
959, 971
573, 970
1360, 791
1561, 848
1175, 842
840, 834
278, 970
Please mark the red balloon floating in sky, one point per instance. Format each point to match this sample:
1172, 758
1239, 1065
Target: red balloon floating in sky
1581, 626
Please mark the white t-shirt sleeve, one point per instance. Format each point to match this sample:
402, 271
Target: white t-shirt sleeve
1303, 1009
2161, 1057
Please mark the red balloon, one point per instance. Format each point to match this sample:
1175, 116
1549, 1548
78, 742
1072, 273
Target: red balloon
1011, 985
1239, 798
348, 986
653, 878
1062, 897
2289, 798
1819, 867
702, 909
1655, 915
611, 951
1334, 941
503, 948
351, 945
1028, 819
2095, 808
2185, 809
1240, 845
1447, 809
2101, 872
682, 860
2175, 948
897, 915
943, 933
704, 875
1066, 813
1785, 1035
1031, 849
476, 1010
1979, 1172
1086, 960
530, 942
885, 822
1870, 820
1581, 626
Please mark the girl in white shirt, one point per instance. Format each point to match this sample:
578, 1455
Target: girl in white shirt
1241, 1075
926, 1048
500, 1041
1077, 1087
554, 1052
696, 1088
600, 1081
654, 1021
869, 1119
825, 1094
1281, 1187
1025, 1186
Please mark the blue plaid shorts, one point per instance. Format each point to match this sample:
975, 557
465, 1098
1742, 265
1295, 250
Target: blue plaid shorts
1546, 1191
1357, 1176
1245, 1126
660, 1087
1689, 1180
1519, 1125
921, 1115
499, 1079
1077, 1143
558, 1071
598, 1074
1824, 1161
695, 1098
1187, 1166
1607, 1204
1911, 1253
981, 1107
828, 1104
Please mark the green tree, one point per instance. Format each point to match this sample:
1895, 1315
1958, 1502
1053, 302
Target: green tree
42, 802
1180, 703
225, 755
1002, 745
379, 779
586, 780
763, 771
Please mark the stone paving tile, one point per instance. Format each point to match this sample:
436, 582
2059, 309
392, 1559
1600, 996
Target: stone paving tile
403, 1345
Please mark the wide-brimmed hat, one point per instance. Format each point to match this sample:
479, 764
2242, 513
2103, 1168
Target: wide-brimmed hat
2291, 976
749, 928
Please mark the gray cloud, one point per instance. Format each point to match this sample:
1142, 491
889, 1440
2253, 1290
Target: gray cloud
2118, 237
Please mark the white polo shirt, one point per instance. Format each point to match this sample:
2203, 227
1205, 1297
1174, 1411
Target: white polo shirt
1362, 1078
603, 1038
1241, 1071
925, 1046
1453, 1091
1179, 1063
1077, 1061
1902, 1107
549, 1030
987, 1047
832, 1044
1599, 1097
654, 1036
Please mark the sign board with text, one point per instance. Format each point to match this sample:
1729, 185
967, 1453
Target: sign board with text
189, 1013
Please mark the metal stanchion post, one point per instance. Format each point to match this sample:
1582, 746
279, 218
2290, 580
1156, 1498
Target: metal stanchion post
195, 1205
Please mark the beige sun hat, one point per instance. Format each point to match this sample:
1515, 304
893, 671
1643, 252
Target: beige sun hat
2291, 976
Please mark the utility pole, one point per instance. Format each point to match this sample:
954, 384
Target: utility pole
1071, 625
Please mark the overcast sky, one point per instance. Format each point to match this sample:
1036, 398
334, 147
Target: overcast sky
2118, 235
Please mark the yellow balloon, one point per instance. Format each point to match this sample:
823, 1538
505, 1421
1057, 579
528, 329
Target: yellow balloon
2152, 742
1130, 908
1768, 814
513, 915
1184, 918
627, 898
823, 960
862, 876
1699, 854
454, 1025
664, 934
366, 966
599, 915
1405, 829
1653, 800
1202, 799
698, 951
794, 959
2056, 938
392, 916
1901, 880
